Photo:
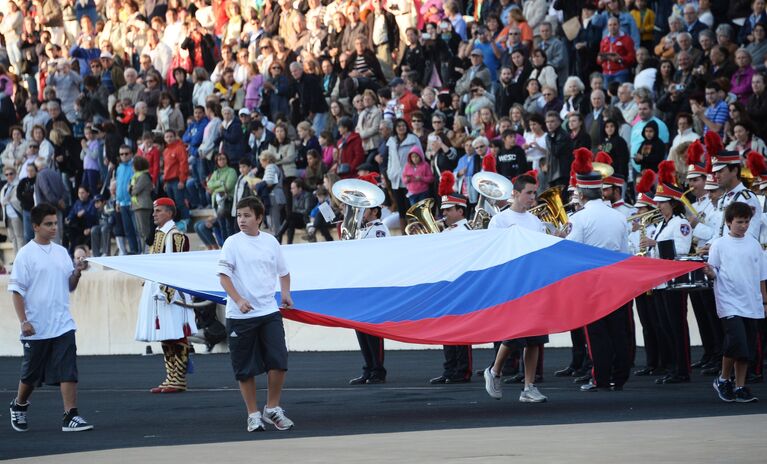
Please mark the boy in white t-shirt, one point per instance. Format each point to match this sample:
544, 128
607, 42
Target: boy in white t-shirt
250, 264
738, 266
43, 275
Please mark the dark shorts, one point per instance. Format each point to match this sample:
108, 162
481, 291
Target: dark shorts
739, 336
526, 341
257, 345
50, 361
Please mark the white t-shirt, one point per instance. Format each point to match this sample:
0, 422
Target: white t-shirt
508, 218
41, 276
740, 266
254, 263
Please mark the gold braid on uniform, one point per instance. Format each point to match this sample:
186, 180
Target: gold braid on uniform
159, 242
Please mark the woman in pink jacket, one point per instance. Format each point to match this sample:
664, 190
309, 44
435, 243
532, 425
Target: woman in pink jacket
417, 176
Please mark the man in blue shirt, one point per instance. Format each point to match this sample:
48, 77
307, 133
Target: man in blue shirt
716, 113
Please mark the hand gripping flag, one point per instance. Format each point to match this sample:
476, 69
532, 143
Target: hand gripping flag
452, 288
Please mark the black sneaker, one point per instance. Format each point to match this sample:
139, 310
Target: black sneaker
724, 390
73, 422
743, 395
19, 416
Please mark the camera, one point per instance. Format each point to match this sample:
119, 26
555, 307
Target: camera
679, 87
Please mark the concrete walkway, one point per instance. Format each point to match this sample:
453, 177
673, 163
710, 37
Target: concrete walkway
699, 440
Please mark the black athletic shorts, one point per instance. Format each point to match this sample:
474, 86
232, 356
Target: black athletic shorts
50, 361
526, 341
739, 337
257, 345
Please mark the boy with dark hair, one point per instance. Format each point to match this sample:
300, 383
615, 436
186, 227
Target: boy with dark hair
738, 266
43, 275
251, 261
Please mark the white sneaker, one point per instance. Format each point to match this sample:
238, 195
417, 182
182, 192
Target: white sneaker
531, 395
276, 417
254, 422
493, 385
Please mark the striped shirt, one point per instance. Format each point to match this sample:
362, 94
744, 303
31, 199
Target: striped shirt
718, 114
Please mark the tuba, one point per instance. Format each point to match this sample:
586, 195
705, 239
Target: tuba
357, 195
492, 187
551, 212
424, 222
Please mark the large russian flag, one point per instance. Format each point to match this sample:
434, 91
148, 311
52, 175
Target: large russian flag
452, 288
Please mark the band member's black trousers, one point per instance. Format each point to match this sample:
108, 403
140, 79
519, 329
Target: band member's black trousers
580, 353
373, 353
672, 314
457, 363
657, 352
711, 334
609, 348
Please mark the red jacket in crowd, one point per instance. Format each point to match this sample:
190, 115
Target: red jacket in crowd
350, 152
623, 46
176, 162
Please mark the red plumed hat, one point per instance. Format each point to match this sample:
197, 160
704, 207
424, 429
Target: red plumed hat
645, 183
755, 162
667, 172
533, 173
488, 164
446, 182
603, 157
695, 153
582, 161
370, 177
713, 143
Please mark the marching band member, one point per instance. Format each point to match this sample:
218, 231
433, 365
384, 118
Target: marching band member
756, 163
372, 347
597, 224
580, 365
613, 186
656, 359
161, 316
703, 304
758, 167
726, 168
523, 198
457, 367
672, 305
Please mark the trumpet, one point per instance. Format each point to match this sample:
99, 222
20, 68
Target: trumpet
700, 217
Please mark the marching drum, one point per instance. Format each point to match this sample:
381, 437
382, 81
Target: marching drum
694, 280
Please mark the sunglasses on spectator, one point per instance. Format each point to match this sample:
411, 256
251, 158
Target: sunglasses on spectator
277, 68
417, 120
480, 146
437, 121
125, 153
265, 47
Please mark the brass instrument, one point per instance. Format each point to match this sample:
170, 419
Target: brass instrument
700, 217
423, 220
604, 169
357, 195
551, 212
645, 220
747, 177
492, 187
